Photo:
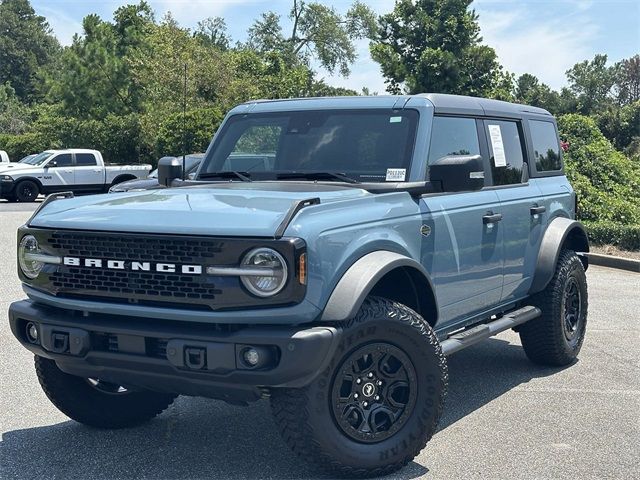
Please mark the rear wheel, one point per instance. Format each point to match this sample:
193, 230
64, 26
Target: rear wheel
27, 191
98, 403
379, 401
555, 338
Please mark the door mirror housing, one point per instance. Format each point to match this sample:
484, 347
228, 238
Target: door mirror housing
169, 169
52, 163
458, 173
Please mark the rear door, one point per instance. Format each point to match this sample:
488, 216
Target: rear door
460, 248
89, 175
521, 205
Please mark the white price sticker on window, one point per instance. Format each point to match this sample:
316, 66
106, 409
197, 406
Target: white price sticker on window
499, 158
396, 174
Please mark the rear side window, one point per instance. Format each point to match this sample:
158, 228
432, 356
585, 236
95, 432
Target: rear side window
85, 159
505, 150
453, 136
64, 160
546, 150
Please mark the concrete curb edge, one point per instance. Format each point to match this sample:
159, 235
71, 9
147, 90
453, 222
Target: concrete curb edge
614, 262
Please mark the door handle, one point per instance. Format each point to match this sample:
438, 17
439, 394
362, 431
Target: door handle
536, 210
491, 218
68, 171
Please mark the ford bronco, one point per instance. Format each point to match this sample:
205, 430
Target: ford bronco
328, 255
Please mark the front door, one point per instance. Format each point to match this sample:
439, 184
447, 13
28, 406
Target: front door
521, 205
462, 244
58, 174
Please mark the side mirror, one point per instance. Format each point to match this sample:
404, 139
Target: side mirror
458, 173
51, 164
169, 169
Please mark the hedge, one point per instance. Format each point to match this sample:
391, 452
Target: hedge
626, 237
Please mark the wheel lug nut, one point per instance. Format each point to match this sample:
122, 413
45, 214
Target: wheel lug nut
355, 395
359, 381
366, 404
379, 382
377, 397
370, 374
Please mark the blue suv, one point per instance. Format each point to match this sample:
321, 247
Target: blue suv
328, 255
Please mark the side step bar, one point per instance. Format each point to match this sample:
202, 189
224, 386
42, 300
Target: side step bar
473, 335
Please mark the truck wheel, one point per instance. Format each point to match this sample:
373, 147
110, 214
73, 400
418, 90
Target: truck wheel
377, 404
97, 403
27, 191
555, 338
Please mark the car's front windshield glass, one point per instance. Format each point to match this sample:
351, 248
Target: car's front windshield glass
364, 145
38, 159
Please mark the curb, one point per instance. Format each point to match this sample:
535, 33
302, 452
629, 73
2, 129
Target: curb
614, 262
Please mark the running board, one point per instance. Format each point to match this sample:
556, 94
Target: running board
473, 335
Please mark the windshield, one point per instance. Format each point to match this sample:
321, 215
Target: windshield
37, 159
364, 145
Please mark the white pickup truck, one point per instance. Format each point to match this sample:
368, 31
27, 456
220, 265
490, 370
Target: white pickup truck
74, 169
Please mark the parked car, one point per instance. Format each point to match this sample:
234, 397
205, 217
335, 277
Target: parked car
75, 170
27, 158
378, 236
192, 162
4, 157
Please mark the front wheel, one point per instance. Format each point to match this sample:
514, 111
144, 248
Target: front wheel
27, 191
377, 404
555, 338
97, 403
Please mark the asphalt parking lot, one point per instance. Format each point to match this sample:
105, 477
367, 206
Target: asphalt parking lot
504, 418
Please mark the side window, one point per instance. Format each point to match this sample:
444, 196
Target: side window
453, 136
505, 151
546, 150
64, 160
85, 159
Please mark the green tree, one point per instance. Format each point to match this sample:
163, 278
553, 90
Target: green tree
93, 78
26, 45
14, 115
212, 32
530, 91
591, 82
627, 80
317, 31
434, 46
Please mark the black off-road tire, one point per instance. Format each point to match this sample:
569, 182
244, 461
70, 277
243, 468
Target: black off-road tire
27, 191
77, 398
555, 338
308, 418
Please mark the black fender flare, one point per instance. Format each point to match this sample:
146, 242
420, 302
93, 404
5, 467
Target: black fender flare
561, 232
123, 177
358, 281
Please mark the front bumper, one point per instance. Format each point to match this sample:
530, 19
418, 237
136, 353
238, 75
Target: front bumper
6, 187
177, 357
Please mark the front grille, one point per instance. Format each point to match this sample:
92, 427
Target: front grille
169, 286
156, 288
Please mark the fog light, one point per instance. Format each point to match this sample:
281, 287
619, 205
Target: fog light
251, 357
32, 332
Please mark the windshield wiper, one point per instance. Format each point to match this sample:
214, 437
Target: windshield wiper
317, 176
228, 174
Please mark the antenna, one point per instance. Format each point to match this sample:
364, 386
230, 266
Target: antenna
184, 125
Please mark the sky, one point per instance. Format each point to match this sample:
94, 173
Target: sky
542, 37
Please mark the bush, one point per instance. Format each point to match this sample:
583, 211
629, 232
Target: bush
607, 182
19, 146
626, 237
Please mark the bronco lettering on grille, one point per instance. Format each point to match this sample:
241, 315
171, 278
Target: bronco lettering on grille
133, 266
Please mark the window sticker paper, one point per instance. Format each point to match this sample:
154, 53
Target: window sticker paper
396, 174
499, 158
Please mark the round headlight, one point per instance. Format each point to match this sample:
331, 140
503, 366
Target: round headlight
266, 272
27, 250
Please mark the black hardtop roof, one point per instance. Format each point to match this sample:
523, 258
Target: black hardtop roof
442, 103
